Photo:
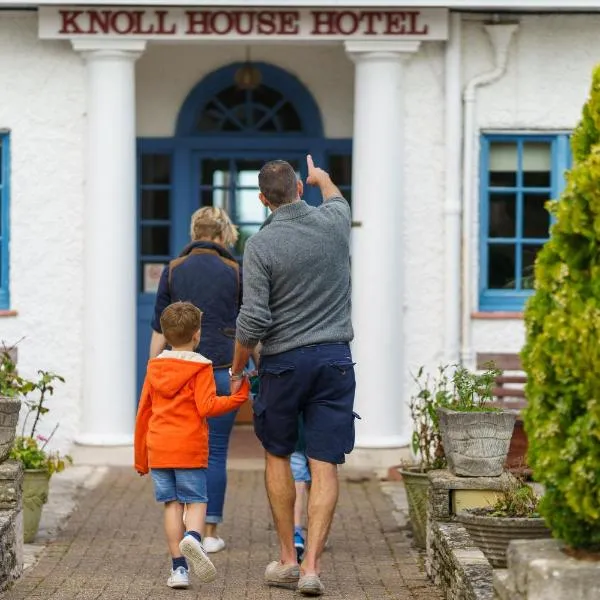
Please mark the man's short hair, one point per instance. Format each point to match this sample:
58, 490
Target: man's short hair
179, 322
278, 183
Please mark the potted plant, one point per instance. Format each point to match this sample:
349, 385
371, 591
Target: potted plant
476, 436
514, 516
426, 446
39, 463
12, 388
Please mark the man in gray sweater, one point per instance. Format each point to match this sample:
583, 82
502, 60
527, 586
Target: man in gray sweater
297, 305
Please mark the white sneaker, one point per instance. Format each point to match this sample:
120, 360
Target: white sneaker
179, 579
213, 544
197, 558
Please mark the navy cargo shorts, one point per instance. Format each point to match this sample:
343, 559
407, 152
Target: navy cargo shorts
316, 382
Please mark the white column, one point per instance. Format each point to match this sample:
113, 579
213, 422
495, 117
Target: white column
109, 348
377, 243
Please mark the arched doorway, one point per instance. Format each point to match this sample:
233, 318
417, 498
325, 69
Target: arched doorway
224, 134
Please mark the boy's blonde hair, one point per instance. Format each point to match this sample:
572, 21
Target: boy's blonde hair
211, 222
179, 322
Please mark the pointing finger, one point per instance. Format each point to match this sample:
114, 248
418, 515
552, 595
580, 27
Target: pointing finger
310, 163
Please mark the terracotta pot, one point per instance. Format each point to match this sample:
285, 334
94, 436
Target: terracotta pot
35, 494
9, 417
476, 443
417, 490
493, 534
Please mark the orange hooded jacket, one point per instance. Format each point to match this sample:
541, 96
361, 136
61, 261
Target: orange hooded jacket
179, 393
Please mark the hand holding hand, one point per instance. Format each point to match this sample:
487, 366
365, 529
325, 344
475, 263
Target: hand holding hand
316, 175
235, 385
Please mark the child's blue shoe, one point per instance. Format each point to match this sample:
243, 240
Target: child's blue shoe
299, 544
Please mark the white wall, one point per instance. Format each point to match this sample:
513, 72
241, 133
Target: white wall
165, 74
42, 104
547, 82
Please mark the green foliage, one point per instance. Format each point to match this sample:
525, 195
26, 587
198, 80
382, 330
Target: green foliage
473, 391
11, 384
34, 456
426, 440
30, 448
562, 352
516, 500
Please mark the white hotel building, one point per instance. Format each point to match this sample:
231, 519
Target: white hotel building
446, 124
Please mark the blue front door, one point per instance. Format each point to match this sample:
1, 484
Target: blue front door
226, 130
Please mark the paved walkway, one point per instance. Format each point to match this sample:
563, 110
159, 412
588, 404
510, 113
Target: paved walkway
113, 548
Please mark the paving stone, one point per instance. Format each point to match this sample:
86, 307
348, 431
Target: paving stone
113, 548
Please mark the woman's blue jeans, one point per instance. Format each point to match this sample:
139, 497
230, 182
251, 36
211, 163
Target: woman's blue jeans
219, 432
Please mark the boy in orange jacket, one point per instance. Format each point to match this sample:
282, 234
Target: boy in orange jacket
171, 437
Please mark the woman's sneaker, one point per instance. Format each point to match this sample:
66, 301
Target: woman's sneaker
213, 544
299, 544
197, 558
179, 579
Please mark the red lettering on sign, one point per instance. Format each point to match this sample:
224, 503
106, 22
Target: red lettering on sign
347, 22
99, 20
323, 22
221, 22
370, 18
289, 23
266, 22
394, 23
413, 18
197, 22
242, 21
162, 25
68, 19
122, 22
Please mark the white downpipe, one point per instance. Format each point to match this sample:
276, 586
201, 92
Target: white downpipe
500, 35
452, 207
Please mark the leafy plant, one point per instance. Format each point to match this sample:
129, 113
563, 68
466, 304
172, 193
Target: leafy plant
471, 391
562, 352
12, 385
426, 439
516, 500
30, 448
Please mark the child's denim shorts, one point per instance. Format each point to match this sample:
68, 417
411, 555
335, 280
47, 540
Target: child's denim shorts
299, 464
187, 486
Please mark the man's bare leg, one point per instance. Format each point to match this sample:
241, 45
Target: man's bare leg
322, 501
281, 491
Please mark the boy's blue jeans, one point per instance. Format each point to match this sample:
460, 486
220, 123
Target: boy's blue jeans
219, 430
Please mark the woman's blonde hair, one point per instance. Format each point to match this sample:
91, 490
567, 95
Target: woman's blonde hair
210, 222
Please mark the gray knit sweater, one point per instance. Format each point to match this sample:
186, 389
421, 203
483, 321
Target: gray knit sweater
297, 278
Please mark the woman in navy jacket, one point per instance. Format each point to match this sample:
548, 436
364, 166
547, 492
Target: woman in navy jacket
207, 275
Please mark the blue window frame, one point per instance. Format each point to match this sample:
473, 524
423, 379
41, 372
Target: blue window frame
519, 174
4, 220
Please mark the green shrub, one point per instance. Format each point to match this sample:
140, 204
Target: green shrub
562, 351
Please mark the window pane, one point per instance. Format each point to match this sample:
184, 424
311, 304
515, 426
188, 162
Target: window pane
249, 207
503, 164
246, 231
155, 239
536, 219
501, 266
340, 169
537, 164
215, 172
502, 215
218, 197
155, 204
156, 169
529, 254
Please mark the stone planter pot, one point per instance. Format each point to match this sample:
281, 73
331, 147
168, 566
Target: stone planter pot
476, 443
493, 534
35, 494
9, 417
417, 489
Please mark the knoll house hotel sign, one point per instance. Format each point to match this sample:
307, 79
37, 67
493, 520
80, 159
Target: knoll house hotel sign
215, 23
